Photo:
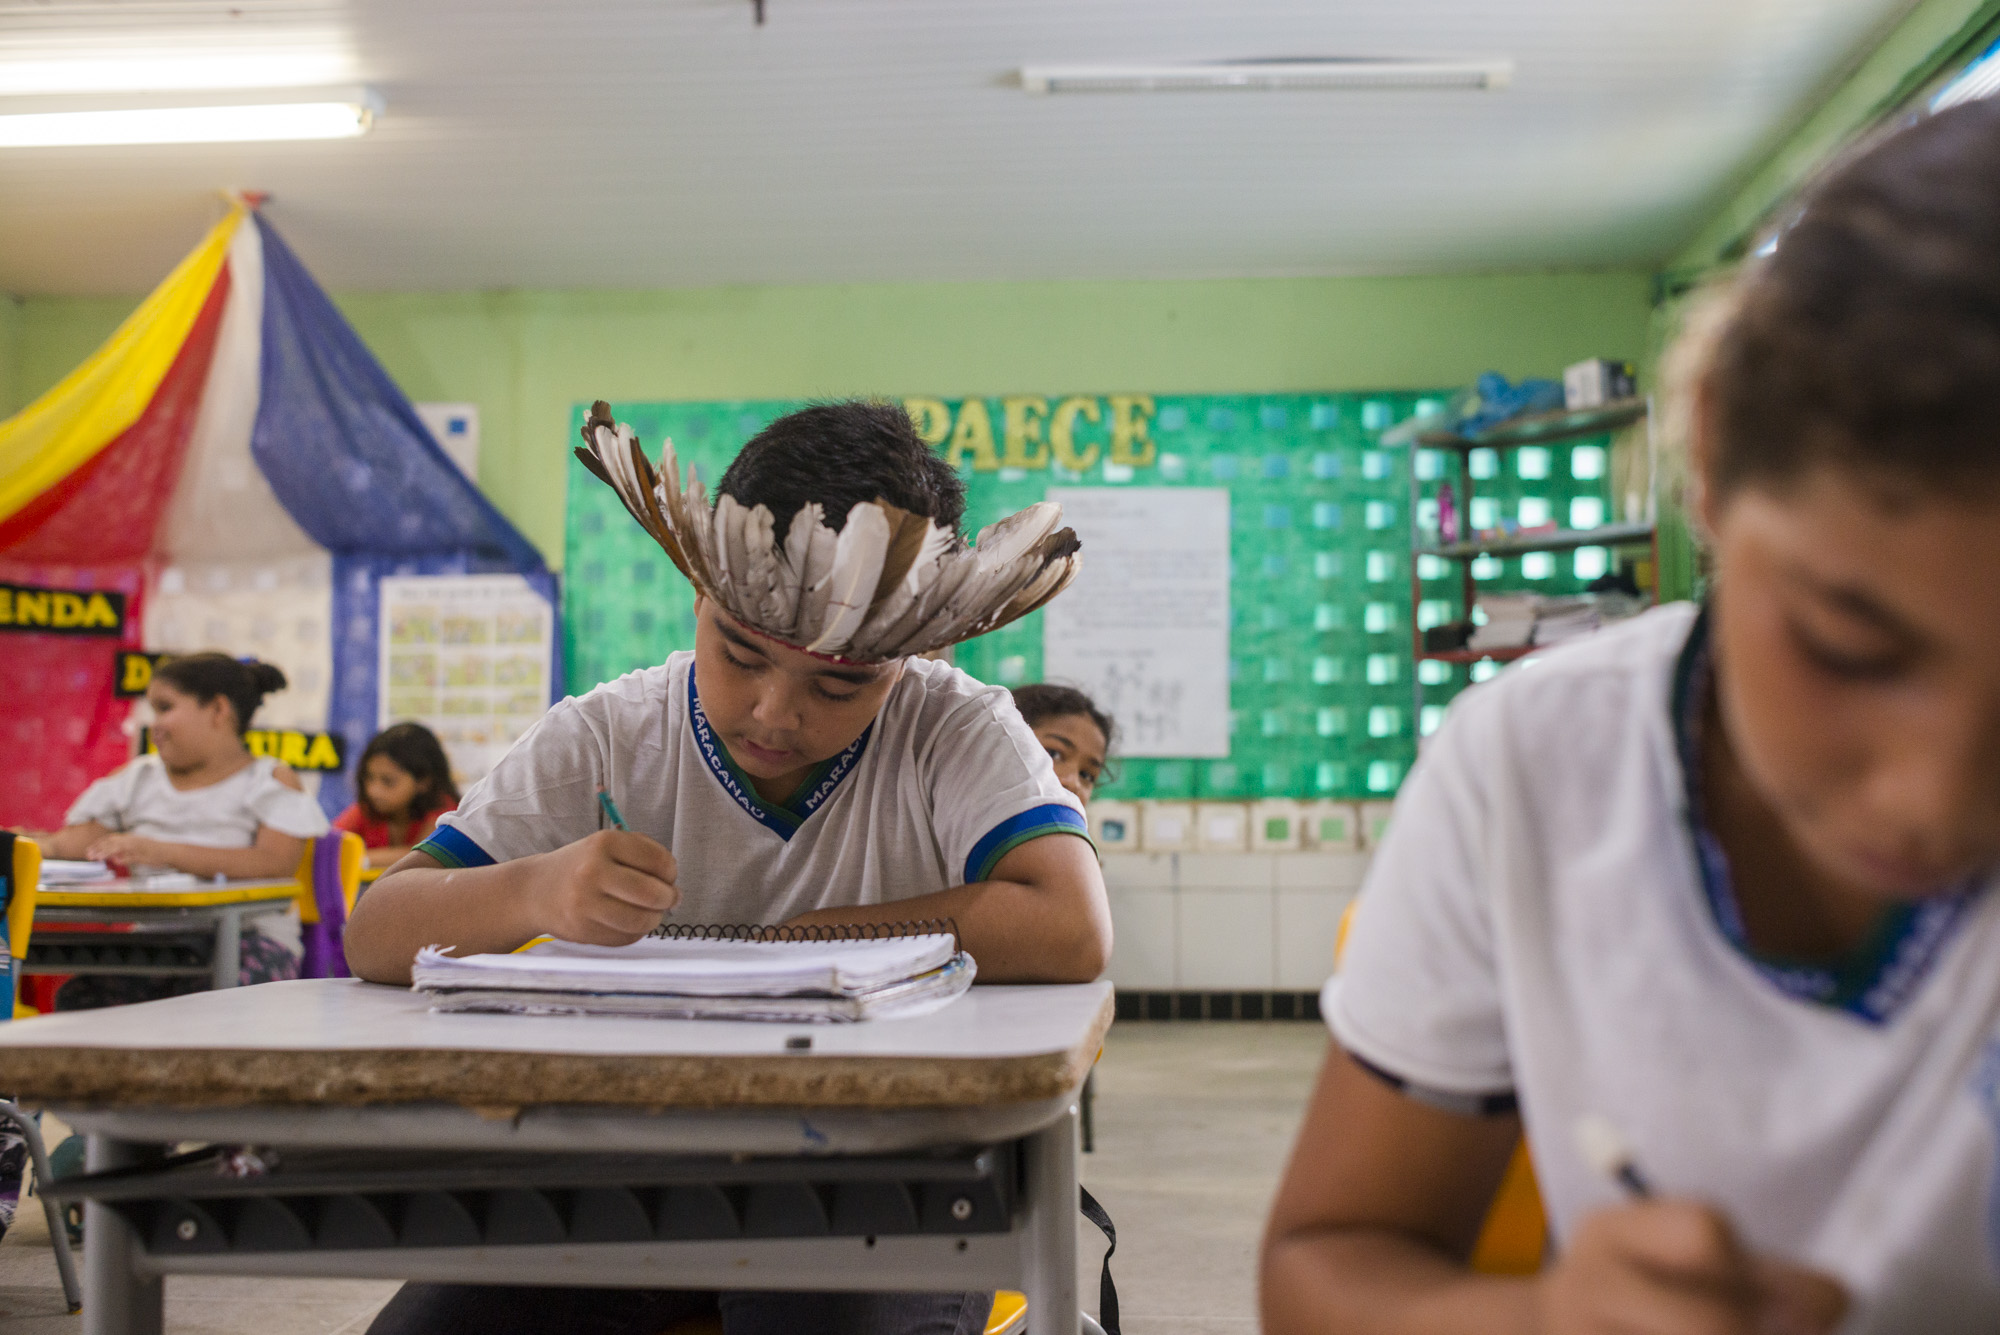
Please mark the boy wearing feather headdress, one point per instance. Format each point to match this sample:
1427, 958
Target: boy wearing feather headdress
802, 764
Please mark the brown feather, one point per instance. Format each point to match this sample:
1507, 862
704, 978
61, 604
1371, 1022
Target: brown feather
906, 539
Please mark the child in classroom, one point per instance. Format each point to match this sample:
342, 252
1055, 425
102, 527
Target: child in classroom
1704, 904
802, 764
1072, 729
404, 785
199, 803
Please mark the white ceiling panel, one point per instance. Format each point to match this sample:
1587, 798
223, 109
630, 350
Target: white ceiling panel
655, 143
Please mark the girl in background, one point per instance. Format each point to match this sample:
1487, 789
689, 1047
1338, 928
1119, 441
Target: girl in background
201, 803
1074, 731
404, 786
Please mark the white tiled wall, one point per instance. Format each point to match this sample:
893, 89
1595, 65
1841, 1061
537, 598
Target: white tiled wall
1240, 921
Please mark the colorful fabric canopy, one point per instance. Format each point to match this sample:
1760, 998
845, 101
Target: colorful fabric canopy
238, 467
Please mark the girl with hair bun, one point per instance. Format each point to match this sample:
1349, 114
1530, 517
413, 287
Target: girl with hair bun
199, 803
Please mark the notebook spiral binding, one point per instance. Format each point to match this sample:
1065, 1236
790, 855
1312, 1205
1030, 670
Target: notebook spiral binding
839, 931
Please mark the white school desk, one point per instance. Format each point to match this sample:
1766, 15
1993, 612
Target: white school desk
368, 1070
174, 927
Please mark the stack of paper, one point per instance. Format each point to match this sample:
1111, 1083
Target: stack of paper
1562, 619
1509, 621
793, 981
64, 871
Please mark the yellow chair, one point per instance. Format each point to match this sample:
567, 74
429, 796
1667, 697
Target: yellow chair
17, 894
1514, 1239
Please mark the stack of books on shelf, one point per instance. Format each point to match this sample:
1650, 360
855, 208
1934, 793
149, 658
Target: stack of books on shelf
1508, 621
795, 975
1518, 620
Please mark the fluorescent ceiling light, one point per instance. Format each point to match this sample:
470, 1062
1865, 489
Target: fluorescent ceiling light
151, 73
1979, 79
1269, 75
319, 114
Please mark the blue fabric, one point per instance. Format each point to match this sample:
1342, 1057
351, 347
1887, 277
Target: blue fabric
344, 450
454, 848
1009, 834
353, 465
356, 619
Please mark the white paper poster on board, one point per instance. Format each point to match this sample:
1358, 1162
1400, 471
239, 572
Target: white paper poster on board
467, 656
1145, 628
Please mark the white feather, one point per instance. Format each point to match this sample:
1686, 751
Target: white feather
733, 564
815, 581
1008, 539
768, 595
857, 567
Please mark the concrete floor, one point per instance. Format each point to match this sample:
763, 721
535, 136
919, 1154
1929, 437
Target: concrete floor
1193, 1124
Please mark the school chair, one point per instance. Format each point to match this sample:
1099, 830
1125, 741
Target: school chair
23, 868
329, 877
1514, 1238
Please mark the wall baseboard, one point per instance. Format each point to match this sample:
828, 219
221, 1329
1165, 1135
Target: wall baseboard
1140, 1004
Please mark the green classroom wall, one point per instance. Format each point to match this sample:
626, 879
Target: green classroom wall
526, 358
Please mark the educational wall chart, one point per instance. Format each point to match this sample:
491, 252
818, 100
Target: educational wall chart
466, 656
1144, 630
1319, 533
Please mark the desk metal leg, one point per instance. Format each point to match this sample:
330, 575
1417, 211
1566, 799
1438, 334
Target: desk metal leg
1050, 1245
117, 1298
226, 967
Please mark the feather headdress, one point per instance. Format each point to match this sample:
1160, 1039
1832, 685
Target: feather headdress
889, 583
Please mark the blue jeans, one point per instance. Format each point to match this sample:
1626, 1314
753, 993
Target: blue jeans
476, 1309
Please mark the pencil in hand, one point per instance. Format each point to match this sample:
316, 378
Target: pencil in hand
1606, 1150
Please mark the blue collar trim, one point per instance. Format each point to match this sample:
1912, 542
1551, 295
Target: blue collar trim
1877, 978
782, 819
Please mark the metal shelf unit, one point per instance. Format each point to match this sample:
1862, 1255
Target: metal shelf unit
1542, 429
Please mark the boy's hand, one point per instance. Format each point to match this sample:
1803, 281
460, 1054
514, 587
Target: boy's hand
609, 889
1674, 1267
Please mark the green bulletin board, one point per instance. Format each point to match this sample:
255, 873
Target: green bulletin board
1320, 692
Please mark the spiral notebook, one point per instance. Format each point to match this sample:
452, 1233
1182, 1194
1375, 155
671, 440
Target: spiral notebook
795, 974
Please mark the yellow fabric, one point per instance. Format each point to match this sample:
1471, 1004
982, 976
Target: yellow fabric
66, 428
1515, 1234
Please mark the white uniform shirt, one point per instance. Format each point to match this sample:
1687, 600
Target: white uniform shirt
944, 782
1538, 922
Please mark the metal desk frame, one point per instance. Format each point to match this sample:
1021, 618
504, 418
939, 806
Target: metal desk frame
224, 921
123, 1283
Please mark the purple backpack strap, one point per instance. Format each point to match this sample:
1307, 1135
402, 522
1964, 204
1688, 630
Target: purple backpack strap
322, 953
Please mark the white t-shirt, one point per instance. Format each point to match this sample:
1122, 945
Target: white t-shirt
944, 782
1538, 922
140, 799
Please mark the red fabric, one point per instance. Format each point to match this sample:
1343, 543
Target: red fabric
109, 509
375, 833
59, 726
